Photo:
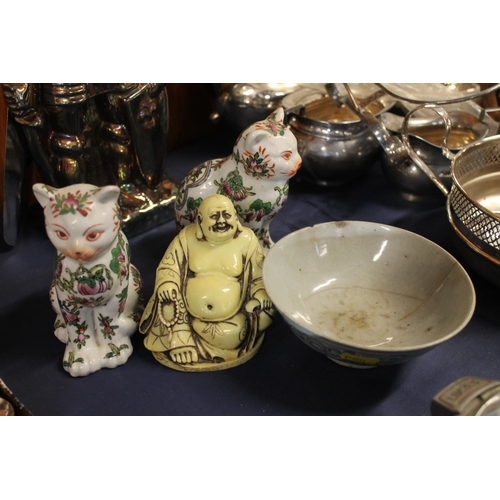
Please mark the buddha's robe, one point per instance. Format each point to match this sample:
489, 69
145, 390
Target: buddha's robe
208, 311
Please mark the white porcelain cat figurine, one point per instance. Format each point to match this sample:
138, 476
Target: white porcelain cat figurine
255, 177
96, 290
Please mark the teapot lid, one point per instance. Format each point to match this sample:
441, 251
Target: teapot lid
258, 94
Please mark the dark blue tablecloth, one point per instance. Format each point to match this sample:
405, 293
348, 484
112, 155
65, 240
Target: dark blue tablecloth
285, 377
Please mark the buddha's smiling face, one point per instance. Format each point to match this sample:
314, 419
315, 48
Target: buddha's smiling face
218, 219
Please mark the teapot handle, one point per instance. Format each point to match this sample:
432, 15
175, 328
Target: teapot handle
444, 144
391, 145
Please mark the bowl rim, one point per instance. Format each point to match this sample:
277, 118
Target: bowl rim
353, 345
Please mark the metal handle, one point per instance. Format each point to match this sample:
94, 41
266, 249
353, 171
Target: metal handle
392, 146
470, 97
444, 144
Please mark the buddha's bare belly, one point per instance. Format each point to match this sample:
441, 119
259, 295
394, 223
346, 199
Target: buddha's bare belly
213, 297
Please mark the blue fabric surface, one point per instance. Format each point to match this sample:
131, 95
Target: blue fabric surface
285, 377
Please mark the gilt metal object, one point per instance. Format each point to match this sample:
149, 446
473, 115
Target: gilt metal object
99, 134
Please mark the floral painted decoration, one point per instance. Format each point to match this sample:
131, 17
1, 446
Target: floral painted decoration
272, 125
69, 203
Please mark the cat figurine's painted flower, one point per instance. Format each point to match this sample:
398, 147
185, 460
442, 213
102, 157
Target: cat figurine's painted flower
95, 290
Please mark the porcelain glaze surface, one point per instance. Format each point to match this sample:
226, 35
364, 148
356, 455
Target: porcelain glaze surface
366, 294
209, 309
96, 290
255, 177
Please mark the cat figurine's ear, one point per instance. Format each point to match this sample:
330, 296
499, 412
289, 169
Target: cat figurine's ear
277, 115
258, 133
42, 193
104, 195
107, 194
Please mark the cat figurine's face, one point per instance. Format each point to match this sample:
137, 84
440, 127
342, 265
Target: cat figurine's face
81, 220
268, 148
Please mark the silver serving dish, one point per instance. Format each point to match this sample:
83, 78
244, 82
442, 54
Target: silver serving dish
473, 200
483, 263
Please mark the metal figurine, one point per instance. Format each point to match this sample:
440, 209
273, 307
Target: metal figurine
100, 134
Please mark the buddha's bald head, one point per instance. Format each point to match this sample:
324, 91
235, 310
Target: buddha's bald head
217, 220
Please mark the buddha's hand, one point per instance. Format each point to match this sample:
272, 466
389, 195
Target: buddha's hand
184, 355
260, 301
168, 292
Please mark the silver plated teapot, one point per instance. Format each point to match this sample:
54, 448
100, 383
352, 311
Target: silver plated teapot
335, 143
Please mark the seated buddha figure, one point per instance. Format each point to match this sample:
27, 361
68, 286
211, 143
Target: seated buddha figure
209, 308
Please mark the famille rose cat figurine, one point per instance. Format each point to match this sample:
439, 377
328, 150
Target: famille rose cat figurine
95, 290
255, 177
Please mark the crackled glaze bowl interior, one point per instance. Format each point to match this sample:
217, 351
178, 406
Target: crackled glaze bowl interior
366, 294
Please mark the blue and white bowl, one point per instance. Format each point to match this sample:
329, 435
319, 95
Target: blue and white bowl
367, 294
